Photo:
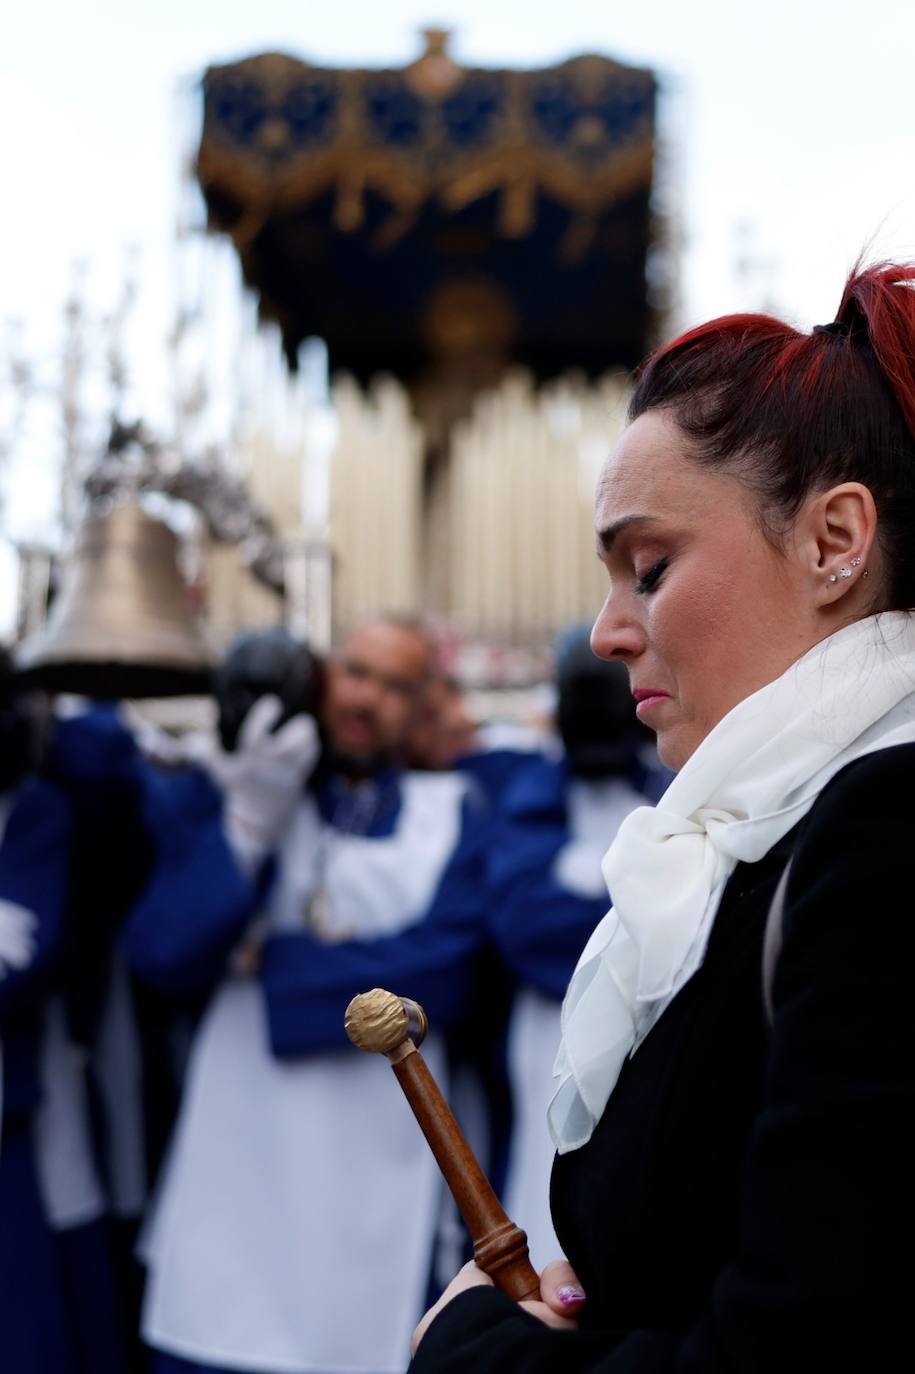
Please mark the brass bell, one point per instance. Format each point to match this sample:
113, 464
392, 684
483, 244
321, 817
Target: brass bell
122, 624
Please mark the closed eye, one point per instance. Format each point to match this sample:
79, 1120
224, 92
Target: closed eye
649, 580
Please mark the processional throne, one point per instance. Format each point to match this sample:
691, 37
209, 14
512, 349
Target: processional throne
468, 236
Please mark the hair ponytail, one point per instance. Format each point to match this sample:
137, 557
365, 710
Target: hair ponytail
882, 298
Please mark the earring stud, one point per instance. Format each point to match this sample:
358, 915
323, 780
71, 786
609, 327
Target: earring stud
856, 562
845, 572
833, 577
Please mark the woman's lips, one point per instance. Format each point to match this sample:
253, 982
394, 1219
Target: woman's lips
646, 698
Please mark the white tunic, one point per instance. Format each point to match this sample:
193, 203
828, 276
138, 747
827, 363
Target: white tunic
70, 1187
295, 1218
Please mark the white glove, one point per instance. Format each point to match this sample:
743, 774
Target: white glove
17, 936
263, 779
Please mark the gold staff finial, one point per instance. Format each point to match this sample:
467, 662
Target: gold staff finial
379, 1022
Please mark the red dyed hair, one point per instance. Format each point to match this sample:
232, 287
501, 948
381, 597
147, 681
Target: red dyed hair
796, 413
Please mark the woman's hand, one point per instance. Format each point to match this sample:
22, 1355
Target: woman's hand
561, 1297
468, 1277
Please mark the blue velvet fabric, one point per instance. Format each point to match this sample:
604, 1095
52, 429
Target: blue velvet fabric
493, 770
33, 1329
34, 857
539, 926
58, 1302
197, 901
398, 117
89, 1299
95, 762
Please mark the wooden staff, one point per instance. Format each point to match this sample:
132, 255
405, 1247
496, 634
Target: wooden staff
381, 1023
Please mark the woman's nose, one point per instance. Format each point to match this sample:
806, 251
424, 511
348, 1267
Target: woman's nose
616, 634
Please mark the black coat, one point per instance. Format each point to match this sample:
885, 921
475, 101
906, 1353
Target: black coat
747, 1201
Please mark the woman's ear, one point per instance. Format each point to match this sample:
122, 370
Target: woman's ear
836, 535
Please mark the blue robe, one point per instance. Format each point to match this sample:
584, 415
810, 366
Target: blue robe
94, 760
34, 858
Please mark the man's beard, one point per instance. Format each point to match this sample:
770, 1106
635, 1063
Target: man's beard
357, 766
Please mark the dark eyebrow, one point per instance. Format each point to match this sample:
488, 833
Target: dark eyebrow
606, 536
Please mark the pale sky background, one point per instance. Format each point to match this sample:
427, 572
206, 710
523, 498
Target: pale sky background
795, 118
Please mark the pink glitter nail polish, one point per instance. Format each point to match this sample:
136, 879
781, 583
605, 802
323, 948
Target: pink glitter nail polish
570, 1294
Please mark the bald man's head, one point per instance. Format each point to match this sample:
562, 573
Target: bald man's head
374, 688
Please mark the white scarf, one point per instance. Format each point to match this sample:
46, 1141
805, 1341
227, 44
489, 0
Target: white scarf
751, 779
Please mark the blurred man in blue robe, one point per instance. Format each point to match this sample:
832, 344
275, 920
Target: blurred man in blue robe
35, 837
293, 871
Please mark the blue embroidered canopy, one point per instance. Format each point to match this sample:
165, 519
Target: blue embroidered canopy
356, 197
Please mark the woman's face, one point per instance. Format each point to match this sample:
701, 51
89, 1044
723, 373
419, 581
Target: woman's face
701, 608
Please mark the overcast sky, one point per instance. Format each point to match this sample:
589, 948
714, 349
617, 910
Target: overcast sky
795, 118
